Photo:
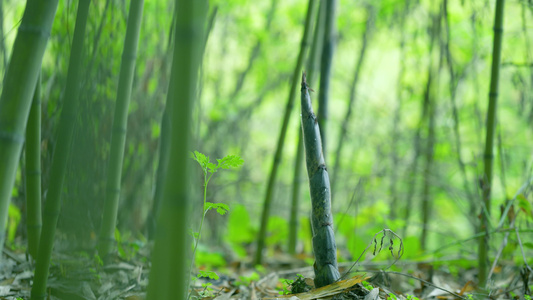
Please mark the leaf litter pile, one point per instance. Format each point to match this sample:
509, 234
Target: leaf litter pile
80, 276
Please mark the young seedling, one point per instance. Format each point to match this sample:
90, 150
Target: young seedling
208, 169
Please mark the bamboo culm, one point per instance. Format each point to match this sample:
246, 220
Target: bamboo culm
120, 121
326, 63
170, 269
489, 144
33, 173
18, 87
283, 132
324, 247
60, 156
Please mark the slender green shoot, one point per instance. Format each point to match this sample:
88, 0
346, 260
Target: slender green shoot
208, 169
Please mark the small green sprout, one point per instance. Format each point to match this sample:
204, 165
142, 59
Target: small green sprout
367, 285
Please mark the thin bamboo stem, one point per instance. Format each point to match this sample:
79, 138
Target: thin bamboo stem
120, 123
61, 154
326, 64
489, 144
33, 173
283, 131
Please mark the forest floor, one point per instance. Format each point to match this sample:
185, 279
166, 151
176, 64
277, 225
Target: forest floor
79, 276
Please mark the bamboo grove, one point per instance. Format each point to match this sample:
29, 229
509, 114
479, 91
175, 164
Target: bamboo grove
423, 127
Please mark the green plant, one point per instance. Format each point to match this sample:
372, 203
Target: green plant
286, 286
126, 250
411, 297
120, 124
208, 169
392, 296
296, 286
14, 217
367, 285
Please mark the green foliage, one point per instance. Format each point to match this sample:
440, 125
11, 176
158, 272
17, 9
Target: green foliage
411, 297
278, 229
127, 247
286, 286
209, 259
13, 217
208, 291
240, 230
228, 162
525, 206
97, 260
209, 168
221, 208
367, 285
208, 274
296, 286
391, 296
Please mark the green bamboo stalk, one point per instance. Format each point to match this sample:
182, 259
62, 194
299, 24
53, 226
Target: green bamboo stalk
430, 96
425, 114
454, 82
295, 195
2, 41
428, 168
395, 134
120, 123
489, 144
61, 153
164, 143
169, 273
33, 173
283, 131
361, 58
18, 87
324, 247
326, 64
313, 59
162, 167
312, 63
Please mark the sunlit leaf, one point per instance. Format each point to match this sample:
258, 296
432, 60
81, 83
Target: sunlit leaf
221, 208
525, 205
212, 167
230, 161
201, 159
208, 274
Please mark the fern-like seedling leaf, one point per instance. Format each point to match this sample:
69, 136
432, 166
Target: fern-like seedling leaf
230, 161
212, 167
201, 159
221, 208
208, 274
